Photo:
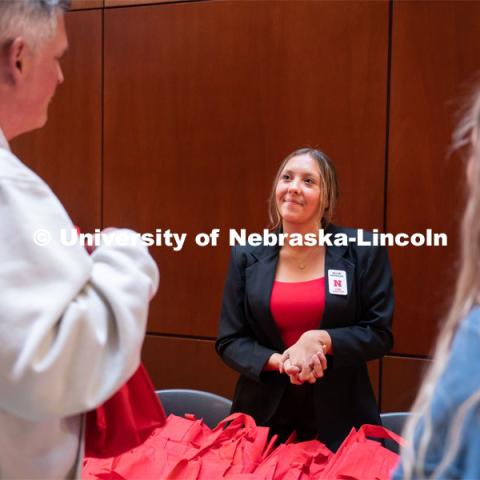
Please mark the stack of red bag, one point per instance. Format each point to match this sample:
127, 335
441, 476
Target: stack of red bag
128, 438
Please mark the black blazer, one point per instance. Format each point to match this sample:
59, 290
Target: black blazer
359, 324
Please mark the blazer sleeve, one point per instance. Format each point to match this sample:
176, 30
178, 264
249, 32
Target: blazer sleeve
371, 337
236, 343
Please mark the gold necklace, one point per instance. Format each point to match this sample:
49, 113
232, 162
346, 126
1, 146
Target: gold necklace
303, 263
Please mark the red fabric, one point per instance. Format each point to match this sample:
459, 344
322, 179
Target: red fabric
126, 420
299, 461
185, 448
359, 458
297, 307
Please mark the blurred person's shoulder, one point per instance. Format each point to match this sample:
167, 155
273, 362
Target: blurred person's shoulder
465, 351
470, 326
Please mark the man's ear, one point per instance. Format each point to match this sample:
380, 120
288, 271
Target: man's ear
16, 56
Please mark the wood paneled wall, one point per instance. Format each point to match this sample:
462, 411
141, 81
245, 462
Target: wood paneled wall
175, 115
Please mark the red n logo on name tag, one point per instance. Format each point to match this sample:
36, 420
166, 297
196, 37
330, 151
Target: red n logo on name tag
337, 283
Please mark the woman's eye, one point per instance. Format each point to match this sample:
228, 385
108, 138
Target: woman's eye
285, 176
309, 181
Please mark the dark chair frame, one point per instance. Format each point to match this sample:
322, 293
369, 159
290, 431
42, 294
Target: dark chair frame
205, 405
394, 421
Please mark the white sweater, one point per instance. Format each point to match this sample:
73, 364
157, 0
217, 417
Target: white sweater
71, 327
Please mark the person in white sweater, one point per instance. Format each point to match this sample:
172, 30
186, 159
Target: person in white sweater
71, 324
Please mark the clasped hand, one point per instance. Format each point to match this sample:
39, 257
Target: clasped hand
305, 361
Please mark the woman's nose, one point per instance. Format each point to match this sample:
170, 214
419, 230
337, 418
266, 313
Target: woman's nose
293, 186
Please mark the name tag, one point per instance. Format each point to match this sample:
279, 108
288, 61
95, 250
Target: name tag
337, 282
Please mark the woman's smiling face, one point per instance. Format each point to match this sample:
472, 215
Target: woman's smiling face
298, 192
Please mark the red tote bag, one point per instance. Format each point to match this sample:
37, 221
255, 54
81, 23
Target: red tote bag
126, 420
236, 446
187, 449
295, 461
360, 458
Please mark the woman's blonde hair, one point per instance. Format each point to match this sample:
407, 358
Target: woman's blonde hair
328, 186
466, 295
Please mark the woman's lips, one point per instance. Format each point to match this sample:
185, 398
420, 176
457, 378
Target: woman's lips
293, 202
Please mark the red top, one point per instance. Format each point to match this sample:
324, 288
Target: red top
297, 307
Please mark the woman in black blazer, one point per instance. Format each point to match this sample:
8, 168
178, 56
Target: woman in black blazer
312, 381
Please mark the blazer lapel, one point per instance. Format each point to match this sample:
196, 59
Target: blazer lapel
260, 276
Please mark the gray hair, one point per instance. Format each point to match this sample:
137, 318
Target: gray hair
35, 20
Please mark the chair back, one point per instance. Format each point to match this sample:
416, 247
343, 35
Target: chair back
210, 407
395, 422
